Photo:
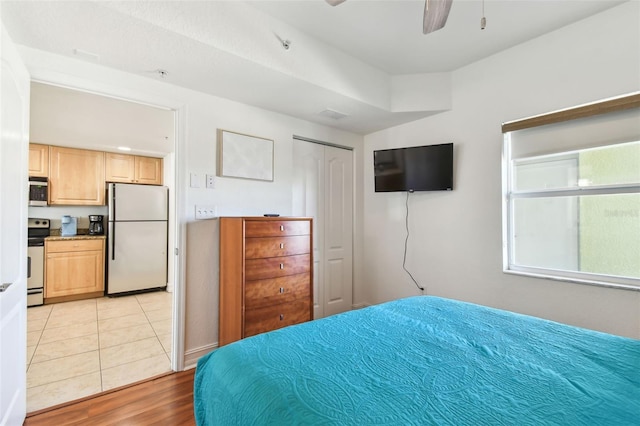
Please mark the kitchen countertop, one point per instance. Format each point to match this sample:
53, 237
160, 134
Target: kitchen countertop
75, 237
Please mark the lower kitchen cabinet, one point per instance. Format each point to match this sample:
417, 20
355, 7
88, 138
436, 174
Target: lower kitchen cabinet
74, 269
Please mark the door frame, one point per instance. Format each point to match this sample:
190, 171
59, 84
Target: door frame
13, 298
72, 82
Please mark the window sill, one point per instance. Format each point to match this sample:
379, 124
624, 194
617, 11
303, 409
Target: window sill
611, 285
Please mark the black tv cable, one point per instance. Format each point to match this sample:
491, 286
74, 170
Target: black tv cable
406, 240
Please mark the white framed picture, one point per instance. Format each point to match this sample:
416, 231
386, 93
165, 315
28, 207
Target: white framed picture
244, 156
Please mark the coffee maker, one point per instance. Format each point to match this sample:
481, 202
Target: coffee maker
95, 224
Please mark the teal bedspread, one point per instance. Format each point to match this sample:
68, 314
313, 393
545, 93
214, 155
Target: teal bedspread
422, 361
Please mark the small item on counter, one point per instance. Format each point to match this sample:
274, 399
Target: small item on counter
69, 226
95, 224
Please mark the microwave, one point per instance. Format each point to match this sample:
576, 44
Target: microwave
38, 191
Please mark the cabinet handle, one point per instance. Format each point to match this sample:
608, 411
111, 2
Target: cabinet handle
281, 317
282, 266
281, 289
282, 227
281, 245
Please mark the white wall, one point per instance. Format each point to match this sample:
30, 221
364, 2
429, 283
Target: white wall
455, 248
198, 117
55, 213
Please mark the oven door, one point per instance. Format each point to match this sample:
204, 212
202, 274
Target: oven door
35, 280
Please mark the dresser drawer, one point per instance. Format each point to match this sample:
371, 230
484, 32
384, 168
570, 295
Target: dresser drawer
258, 269
274, 228
255, 248
274, 291
269, 318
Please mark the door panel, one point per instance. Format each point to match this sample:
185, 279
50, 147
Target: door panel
339, 230
137, 256
323, 189
14, 147
308, 186
335, 283
137, 202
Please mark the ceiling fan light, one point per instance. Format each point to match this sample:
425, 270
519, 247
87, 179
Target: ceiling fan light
435, 15
335, 2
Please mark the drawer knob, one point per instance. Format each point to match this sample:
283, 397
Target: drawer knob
282, 266
282, 227
281, 289
281, 245
281, 317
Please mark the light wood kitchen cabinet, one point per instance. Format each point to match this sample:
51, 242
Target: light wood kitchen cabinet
76, 177
74, 268
38, 160
133, 169
149, 170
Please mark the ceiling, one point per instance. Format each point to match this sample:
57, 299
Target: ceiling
60, 116
347, 58
388, 34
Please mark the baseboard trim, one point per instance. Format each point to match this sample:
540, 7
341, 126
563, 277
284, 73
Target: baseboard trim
192, 356
360, 305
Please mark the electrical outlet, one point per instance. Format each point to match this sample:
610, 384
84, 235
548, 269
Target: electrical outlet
211, 181
206, 212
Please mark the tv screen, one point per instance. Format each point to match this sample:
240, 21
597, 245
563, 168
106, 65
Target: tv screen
419, 168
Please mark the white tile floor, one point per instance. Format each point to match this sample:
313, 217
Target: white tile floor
76, 349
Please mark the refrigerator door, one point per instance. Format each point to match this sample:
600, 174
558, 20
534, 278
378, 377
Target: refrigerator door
137, 256
137, 202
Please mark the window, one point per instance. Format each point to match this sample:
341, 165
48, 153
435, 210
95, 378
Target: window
572, 198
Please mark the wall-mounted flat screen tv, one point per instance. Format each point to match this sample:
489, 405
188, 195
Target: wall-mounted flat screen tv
419, 168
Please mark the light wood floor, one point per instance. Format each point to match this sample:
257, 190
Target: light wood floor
167, 400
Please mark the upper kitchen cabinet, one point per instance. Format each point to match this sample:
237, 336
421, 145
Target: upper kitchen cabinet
133, 169
76, 177
38, 160
149, 170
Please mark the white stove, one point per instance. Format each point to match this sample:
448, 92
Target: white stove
37, 231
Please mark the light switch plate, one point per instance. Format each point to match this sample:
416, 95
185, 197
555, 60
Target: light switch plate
194, 180
210, 181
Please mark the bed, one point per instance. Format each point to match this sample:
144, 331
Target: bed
422, 360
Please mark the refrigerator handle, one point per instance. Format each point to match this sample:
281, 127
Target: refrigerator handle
113, 240
112, 202
28, 266
112, 219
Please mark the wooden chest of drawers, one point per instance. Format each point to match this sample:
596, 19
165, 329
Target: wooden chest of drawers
265, 275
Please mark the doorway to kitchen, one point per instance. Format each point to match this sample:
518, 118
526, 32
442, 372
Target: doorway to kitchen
80, 348
76, 348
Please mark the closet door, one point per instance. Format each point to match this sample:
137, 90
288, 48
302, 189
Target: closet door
338, 230
308, 193
323, 189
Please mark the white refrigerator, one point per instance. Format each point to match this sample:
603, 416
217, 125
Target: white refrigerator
136, 238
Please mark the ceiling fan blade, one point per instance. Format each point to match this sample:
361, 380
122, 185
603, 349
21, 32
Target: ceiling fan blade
435, 15
335, 2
